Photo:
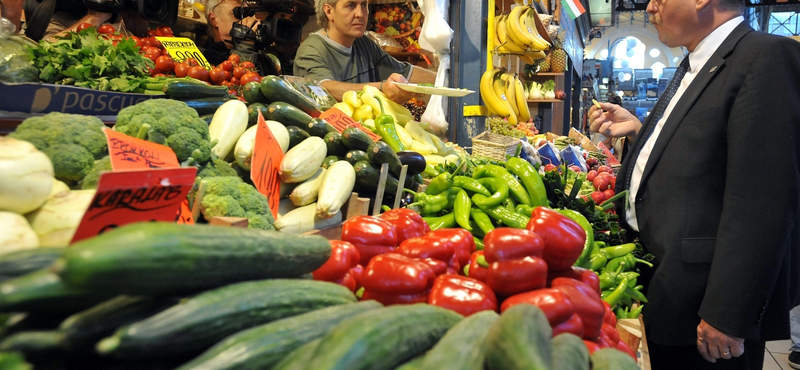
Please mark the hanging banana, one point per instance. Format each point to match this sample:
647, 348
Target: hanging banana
499, 89
521, 100
493, 102
509, 88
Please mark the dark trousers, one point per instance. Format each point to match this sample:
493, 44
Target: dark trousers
687, 358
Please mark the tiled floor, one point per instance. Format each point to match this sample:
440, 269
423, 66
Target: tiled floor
777, 354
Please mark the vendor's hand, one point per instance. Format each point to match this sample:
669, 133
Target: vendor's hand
613, 121
713, 344
92, 17
394, 92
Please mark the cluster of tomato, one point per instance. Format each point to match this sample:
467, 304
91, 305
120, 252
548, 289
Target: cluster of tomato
230, 73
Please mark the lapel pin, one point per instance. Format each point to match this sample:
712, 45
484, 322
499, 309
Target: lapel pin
714, 68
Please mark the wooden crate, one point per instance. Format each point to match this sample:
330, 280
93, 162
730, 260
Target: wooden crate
631, 331
355, 206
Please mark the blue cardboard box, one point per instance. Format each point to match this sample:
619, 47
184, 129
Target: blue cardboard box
45, 98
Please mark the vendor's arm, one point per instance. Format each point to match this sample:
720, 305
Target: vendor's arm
92, 17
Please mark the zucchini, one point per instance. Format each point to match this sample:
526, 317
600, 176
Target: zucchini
187, 89
306, 192
276, 88
252, 113
415, 363
333, 142
356, 155
206, 106
355, 138
262, 347
296, 135
379, 153
229, 123
612, 359
304, 219
367, 177
33, 343
197, 323
299, 358
243, 151
520, 339
415, 161
43, 291
288, 114
251, 92
28, 260
329, 160
462, 347
319, 127
383, 338
569, 352
152, 258
335, 189
302, 161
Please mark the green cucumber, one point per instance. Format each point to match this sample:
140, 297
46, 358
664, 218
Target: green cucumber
356, 155
319, 127
612, 359
333, 141
569, 352
43, 291
415, 363
84, 329
251, 92
157, 258
296, 135
33, 343
379, 153
205, 106
28, 260
276, 88
328, 161
252, 113
14, 361
383, 338
520, 340
262, 347
197, 323
355, 138
462, 347
367, 177
287, 114
300, 357
187, 89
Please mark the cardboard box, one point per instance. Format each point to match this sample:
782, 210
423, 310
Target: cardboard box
45, 98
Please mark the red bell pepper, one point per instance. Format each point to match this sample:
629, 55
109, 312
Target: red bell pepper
588, 304
476, 271
370, 235
344, 256
514, 261
393, 278
434, 247
610, 334
439, 267
557, 307
563, 237
622, 346
609, 317
462, 294
462, 240
591, 346
583, 275
407, 223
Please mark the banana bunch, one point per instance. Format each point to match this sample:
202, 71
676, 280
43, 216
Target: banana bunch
504, 96
516, 34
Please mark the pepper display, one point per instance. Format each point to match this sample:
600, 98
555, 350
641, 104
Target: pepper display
339, 266
461, 207
372, 236
462, 294
446, 221
515, 263
407, 223
462, 241
516, 189
563, 238
475, 269
531, 179
588, 245
396, 279
433, 247
557, 307
588, 304
385, 127
499, 191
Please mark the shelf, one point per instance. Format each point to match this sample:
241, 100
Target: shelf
546, 101
548, 74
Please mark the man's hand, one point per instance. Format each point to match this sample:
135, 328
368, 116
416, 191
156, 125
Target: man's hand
713, 344
613, 121
394, 92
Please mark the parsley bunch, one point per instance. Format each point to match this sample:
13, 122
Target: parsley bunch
85, 59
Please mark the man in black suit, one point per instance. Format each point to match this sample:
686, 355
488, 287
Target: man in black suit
714, 178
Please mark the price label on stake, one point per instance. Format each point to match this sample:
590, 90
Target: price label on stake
341, 121
133, 196
184, 215
181, 48
129, 153
266, 165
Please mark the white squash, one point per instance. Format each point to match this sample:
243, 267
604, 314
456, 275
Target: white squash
228, 124
243, 152
26, 176
303, 161
306, 192
304, 219
15, 233
335, 189
56, 221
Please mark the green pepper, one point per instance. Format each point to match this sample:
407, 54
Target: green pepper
632, 261
618, 262
499, 189
384, 124
468, 183
510, 219
635, 294
617, 295
618, 250
434, 203
461, 208
440, 183
634, 313
608, 278
632, 277
516, 189
482, 220
478, 244
524, 210
430, 171
583, 259
531, 179
597, 261
476, 231
441, 222
509, 204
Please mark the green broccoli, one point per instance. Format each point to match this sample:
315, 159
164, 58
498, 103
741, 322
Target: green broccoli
165, 118
216, 168
72, 141
229, 196
93, 177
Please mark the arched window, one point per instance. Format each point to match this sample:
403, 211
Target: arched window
629, 53
657, 68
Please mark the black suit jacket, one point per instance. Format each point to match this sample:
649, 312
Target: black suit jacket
718, 201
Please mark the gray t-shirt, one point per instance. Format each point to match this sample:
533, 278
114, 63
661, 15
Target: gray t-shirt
320, 58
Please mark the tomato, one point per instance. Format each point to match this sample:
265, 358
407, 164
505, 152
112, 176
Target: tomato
152, 56
84, 26
234, 59
181, 69
608, 193
115, 42
249, 77
106, 29
199, 73
164, 31
550, 167
165, 64
591, 175
598, 197
601, 183
234, 81
238, 72
217, 75
159, 75
227, 65
247, 65
191, 62
137, 41
151, 33
233, 92
116, 36
145, 41
154, 41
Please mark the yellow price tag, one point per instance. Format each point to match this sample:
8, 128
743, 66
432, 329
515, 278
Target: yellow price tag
182, 48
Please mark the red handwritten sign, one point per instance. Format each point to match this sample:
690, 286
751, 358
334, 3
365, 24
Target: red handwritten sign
129, 153
184, 215
266, 165
341, 121
133, 196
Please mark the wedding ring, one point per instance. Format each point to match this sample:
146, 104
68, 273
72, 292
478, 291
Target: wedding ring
724, 353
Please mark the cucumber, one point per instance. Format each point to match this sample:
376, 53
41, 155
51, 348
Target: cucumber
296, 135
299, 358
333, 141
462, 347
28, 260
252, 113
196, 324
612, 359
367, 177
383, 338
355, 138
13, 361
262, 347
356, 155
415, 161
205, 106
251, 92
569, 352
319, 127
31, 343
379, 152
207, 118
276, 88
520, 340
157, 258
329, 160
84, 329
43, 291
415, 363
288, 114
188, 89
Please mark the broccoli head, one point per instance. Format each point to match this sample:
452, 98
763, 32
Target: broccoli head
186, 143
93, 177
216, 168
222, 206
229, 196
71, 162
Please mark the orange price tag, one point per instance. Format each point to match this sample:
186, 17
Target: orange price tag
184, 215
129, 153
341, 121
134, 196
266, 165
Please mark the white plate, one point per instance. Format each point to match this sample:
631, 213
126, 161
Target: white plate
433, 90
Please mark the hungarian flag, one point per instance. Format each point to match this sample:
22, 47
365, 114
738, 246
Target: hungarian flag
574, 8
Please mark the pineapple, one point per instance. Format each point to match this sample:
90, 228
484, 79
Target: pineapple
558, 56
544, 64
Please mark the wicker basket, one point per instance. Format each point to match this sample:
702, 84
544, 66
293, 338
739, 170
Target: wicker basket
494, 146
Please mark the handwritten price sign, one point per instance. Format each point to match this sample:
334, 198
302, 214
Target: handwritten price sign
266, 165
129, 153
181, 48
341, 121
